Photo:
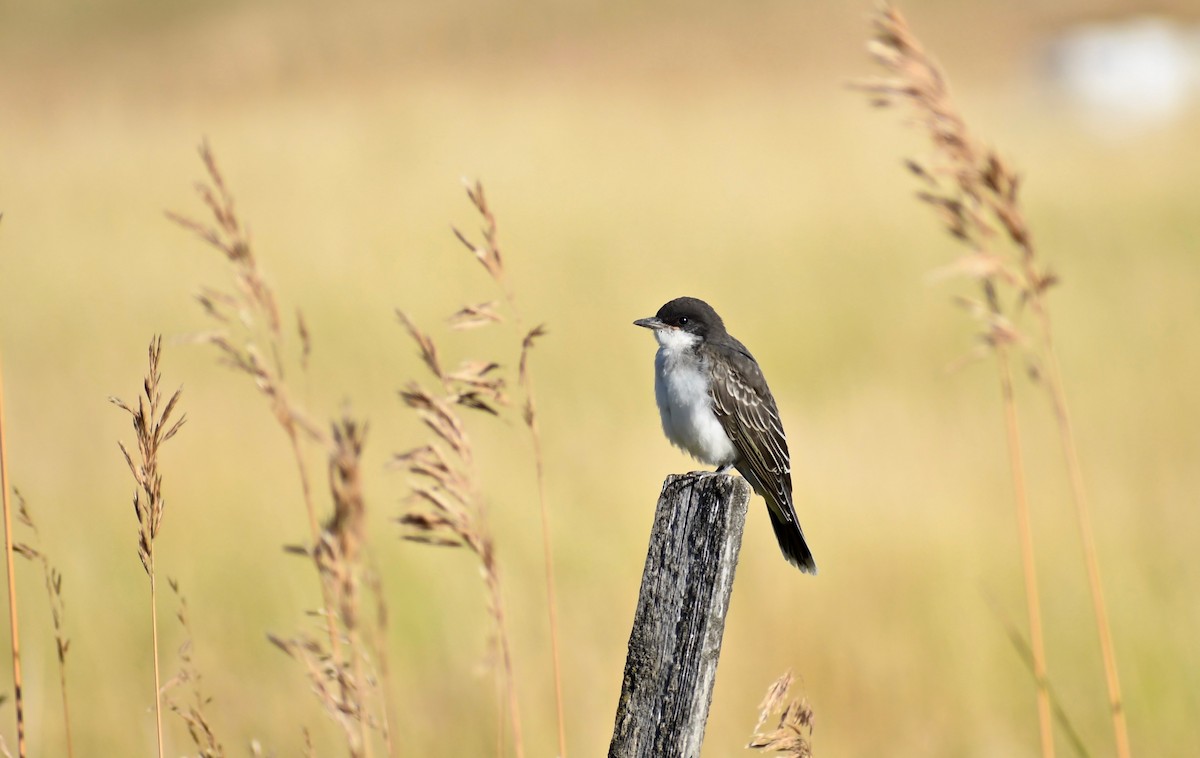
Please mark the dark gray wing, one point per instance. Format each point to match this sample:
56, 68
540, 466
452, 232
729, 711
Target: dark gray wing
746, 410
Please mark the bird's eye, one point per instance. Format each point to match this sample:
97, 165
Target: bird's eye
683, 320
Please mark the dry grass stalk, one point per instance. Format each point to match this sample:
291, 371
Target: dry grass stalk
446, 507
251, 340
488, 254
344, 686
975, 195
193, 712
250, 336
339, 555
53, 581
152, 427
792, 734
12, 581
969, 186
1016, 461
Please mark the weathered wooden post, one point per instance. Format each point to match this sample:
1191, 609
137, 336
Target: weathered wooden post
680, 618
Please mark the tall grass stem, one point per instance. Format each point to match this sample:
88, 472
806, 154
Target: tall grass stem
535, 433
975, 194
1066, 433
12, 582
154, 638
551, 593
153, 428
490, 257
1028, 561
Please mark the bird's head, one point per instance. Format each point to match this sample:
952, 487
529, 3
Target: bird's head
684, 321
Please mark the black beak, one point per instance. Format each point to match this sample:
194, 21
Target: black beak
650, 323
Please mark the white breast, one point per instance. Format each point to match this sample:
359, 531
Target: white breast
681, 388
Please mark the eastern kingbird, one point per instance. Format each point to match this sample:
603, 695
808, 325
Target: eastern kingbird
715, 405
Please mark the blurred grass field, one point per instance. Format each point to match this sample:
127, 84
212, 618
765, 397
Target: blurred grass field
631, 155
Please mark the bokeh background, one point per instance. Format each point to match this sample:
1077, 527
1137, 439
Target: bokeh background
632, 153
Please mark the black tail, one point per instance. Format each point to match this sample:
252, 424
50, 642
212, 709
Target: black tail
791, 542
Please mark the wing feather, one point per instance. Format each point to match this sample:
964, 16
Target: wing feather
746, 409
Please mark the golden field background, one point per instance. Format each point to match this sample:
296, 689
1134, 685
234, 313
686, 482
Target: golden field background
631, 155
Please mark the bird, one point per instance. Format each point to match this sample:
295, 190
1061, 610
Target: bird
715, 405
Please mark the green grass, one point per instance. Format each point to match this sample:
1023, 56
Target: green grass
652, 158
